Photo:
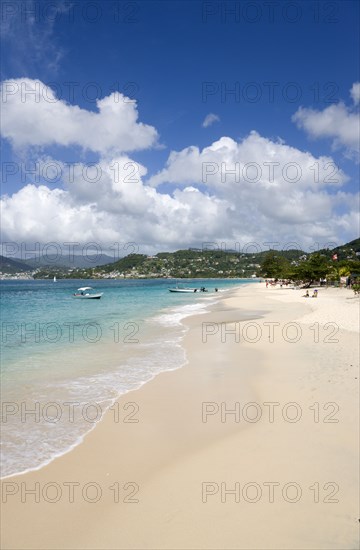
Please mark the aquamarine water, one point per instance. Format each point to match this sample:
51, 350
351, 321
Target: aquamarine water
65, 361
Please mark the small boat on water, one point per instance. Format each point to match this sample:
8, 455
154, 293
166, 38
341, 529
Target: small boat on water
186, 289
182, 289
83, 293
54, 279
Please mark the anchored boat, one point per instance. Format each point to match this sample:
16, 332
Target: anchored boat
186, 289
182, 289
83, 293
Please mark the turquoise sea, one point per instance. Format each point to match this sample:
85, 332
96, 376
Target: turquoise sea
65, 361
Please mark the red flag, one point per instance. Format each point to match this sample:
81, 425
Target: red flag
334, 257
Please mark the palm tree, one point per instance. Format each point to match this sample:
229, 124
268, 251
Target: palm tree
338, 271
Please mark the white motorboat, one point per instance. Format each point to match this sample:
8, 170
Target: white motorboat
182, 289
179, 288
83, 292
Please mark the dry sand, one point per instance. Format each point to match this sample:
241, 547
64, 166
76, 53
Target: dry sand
279, 472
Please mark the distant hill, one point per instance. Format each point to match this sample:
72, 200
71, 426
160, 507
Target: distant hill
351, 247
346, 251
182, 263
194, 263
8, 265
126, 263
55, 263
200, 263
67, 262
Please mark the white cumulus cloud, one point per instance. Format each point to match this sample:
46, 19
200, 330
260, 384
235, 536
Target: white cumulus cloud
254, 161
121, 207
255, 190
32, 115
118, 207
355, 93
338, 122
273, 191
38, 214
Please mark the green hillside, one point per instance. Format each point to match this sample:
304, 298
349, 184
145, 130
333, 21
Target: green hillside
197, 263
8, 265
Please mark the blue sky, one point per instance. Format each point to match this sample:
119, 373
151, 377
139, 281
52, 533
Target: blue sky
180, 61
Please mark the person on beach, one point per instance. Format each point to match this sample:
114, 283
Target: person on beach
306, 295
315, 293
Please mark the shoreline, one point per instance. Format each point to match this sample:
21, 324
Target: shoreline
170, 451
108, 352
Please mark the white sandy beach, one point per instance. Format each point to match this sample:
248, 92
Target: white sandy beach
252, 445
